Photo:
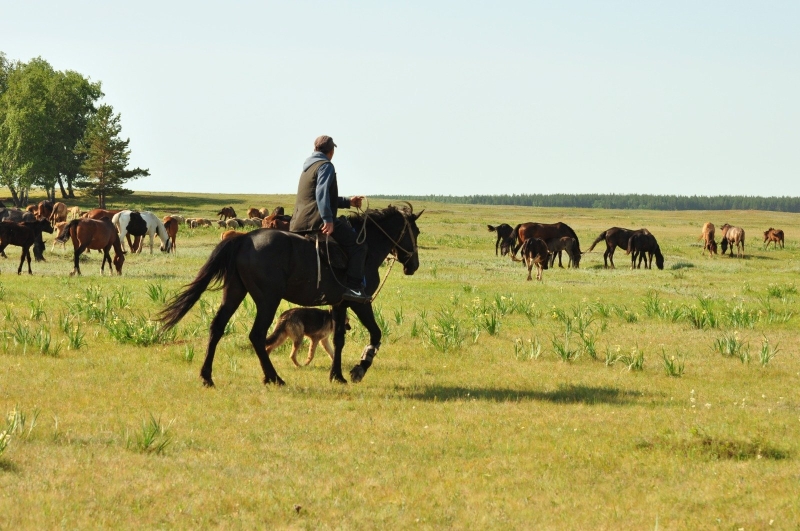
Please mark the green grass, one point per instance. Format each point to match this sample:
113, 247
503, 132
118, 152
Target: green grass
676, 405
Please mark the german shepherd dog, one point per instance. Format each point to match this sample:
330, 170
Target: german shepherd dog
298, 322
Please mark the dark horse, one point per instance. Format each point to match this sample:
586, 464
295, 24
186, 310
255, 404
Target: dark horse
23, 234
643, 245
614, 237
546, 232
99, 234
505, 238
272, 265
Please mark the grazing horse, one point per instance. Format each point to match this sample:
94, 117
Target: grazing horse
94, 234
153, 226
273, 265
171, 225
643, 245
253, 212
44, 209
505, 238
535, 252
774, 236
709, 244
59, 213
546, 232
614, 237
732, 236
227, 212
274, 221
100, 213
23, 234
565, 243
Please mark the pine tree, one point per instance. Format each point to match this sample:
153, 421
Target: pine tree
105, 167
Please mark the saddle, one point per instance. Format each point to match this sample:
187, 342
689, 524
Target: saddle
328, 250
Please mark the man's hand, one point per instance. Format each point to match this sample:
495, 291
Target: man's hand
355, 201
327, 228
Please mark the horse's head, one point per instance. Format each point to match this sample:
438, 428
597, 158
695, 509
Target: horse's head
659, 258
712, 245
406, 247
119, 259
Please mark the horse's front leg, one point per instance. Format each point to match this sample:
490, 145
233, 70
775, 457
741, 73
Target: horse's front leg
367, 317
339, 318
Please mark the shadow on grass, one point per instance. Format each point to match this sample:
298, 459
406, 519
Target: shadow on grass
569, 394
8, 466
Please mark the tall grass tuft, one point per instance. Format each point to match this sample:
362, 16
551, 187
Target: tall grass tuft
446, 333
2, 291
780, 292
634, 361
730, 345
153, 438
44, 342
739, 317
527, 350
157, 293
75, 337
767, 352
672, 366
139, 330
37, 309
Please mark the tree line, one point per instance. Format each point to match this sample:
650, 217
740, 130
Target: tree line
619, 201
55, 135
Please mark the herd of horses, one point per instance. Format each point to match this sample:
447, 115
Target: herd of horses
541, 243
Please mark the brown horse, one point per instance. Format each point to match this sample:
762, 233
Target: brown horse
505, 238
643, 245
227, 212
171, 224
545, 232
23, 234
274, 221
709, 244
94, 234
565, 243
773, 236
44, 209
732, 236
535, 252
100, 213
614, 237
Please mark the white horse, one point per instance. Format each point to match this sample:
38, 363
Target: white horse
154, 226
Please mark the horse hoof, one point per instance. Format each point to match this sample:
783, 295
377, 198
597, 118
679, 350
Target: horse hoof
208, 382
338, 378
277, 381
357, 373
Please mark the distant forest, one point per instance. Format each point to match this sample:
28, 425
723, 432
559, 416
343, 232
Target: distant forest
621, 201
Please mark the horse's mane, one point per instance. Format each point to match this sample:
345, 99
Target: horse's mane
378, 215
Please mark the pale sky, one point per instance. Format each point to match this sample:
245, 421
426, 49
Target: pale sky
427, 97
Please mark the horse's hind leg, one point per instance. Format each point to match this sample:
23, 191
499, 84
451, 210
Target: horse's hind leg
232, 296
265, 313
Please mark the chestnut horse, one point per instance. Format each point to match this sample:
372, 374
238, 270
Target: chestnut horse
709, 244
535, 252
23, 234
546, 232
171, 224
773, 236
94, 234
614, 237
732, 236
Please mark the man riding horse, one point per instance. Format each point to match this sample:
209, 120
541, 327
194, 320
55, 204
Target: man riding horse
315, 210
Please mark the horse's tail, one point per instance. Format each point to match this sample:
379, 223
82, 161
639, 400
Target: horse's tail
514, 245
597, 240
492, 229
66, 231
216, 269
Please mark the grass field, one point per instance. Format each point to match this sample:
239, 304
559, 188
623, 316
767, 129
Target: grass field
596, 399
